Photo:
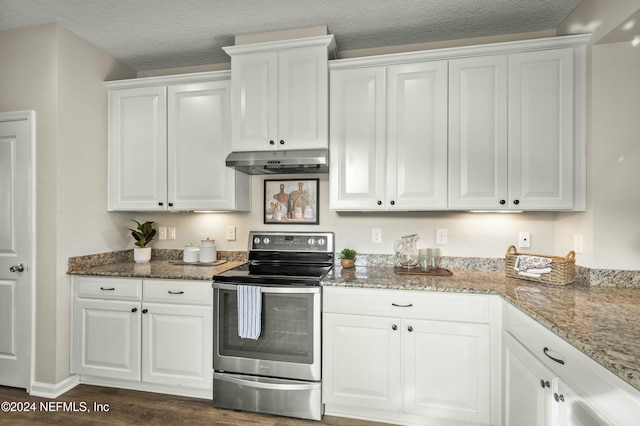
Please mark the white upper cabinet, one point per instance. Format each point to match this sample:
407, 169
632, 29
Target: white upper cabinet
512, 143
541, 136
358, 139
168, 142
489, 127
280, 94
138, 148
388, 147
478, 144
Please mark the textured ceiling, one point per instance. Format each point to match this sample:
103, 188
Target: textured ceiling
156, 34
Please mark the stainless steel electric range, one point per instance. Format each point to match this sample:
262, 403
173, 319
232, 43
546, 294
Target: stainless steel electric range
267, 326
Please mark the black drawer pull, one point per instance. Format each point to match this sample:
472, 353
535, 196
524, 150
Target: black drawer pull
176, 292
107, 289
559, 361
402, 306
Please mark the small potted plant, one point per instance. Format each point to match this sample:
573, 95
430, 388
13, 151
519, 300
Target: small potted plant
143, 234
347, 258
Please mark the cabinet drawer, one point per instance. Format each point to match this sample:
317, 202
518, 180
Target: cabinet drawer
176, 291
407, 304
108, 288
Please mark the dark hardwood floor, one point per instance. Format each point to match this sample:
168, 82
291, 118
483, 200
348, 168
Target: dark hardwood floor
127, 407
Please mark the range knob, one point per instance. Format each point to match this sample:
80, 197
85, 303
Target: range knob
321, 242
266, 240
256, 240
311, 241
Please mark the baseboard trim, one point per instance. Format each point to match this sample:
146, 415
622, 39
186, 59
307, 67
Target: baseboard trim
54, 390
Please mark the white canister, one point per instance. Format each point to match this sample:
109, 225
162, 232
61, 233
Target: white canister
207, 251
191, 253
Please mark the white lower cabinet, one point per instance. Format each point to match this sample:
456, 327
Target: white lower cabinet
408, 357
548, 382
153, 335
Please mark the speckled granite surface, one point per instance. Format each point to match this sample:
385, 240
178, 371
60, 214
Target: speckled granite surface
162, 266
602, 322
599, 314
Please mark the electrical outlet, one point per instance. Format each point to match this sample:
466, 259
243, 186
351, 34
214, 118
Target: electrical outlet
441, 236
162, 233
524, 240
577, 244
171, 233
231, 233
376, 235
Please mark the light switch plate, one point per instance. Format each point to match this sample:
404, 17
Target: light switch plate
231, 233
524, 240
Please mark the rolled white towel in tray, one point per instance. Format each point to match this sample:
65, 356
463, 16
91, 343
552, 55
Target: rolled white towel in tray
525, 263
249, 311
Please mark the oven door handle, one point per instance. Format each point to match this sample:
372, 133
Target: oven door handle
271, 289
264, 383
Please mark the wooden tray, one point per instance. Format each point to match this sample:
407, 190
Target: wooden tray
216, 263
440, 272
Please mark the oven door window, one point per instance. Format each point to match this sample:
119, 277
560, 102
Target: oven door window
287, 328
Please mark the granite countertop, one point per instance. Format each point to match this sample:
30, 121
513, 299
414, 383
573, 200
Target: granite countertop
602, 322
158, 269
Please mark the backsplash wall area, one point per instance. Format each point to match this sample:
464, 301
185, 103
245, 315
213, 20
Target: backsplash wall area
469, 234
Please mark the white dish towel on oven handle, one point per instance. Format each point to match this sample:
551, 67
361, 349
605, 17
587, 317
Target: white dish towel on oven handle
249, 311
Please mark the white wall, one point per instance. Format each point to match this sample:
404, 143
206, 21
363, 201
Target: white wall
48, 69
610, 229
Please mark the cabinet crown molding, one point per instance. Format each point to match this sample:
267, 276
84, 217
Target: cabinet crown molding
196, 77
327, 40
463, 51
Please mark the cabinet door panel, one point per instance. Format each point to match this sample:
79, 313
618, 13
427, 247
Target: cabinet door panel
177, 345
541, 146
303, 98
198, 143
361, 361
527, 403
447, 370
357, 139
254, 101
478, 132
107, 339
417, 136
137, 135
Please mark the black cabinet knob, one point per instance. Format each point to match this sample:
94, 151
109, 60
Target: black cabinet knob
503, 202
392, 202
144, 311
516, 202
379, 202
160, 203
281, 142
170, 204
134, 310
410, 329
272, 143
394, 327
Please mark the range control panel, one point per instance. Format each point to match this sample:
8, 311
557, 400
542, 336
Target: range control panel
292, 241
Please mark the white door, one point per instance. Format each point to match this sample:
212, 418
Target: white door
417, 136
362, 362
138, 149
527, 392
303, 98
447, 370
198, 143
541, 134
107, 338
478, 156
254, 106
177, 345
358, 139
16, 236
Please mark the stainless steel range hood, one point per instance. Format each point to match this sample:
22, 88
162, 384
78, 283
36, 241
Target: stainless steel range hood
280, 162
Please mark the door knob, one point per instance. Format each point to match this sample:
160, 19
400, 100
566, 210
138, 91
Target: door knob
17, 268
